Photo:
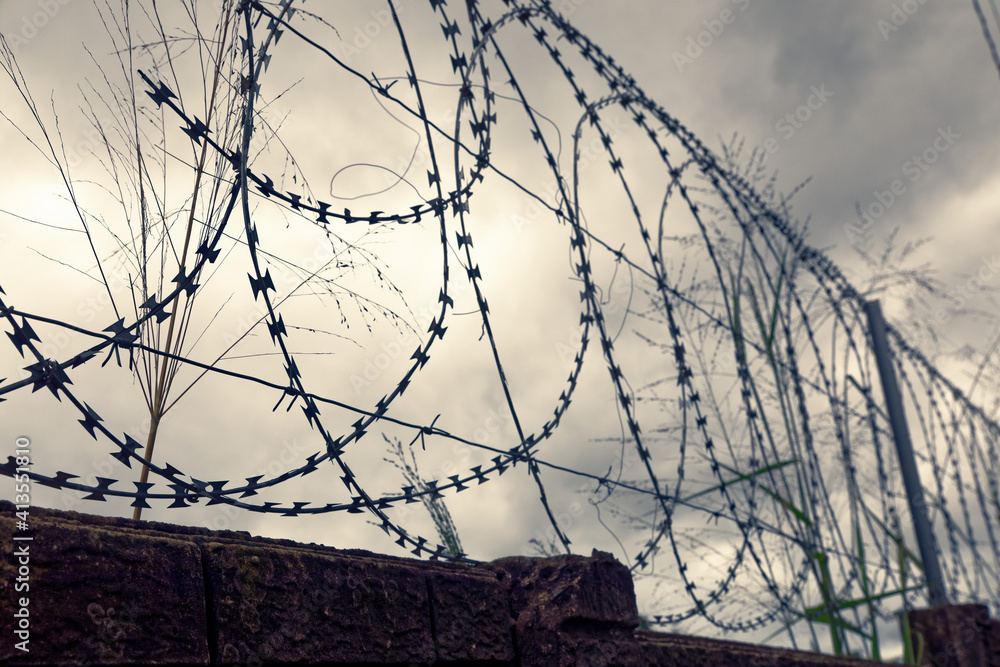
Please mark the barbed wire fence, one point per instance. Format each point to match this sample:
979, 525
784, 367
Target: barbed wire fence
752, 486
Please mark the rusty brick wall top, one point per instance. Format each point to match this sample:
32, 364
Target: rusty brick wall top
116, 591
957, 636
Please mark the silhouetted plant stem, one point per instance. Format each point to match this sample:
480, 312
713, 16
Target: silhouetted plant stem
157, 410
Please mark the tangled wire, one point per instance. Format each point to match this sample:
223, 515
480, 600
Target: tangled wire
736, 354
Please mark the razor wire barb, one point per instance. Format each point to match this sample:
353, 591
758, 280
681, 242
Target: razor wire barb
760, 415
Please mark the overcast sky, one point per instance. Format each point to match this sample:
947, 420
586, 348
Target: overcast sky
891, 110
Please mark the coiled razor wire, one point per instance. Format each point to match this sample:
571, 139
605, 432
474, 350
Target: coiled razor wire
762, 392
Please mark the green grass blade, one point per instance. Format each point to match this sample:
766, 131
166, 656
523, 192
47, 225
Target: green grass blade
740, 477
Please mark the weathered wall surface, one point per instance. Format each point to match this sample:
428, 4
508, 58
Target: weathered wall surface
116, 591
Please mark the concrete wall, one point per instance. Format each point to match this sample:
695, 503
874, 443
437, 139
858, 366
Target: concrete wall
115, 591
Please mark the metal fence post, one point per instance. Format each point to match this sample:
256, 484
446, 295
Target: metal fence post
904, 448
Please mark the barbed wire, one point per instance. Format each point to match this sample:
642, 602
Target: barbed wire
770, 422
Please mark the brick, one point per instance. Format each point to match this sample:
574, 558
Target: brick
954, 636
284, 605
471, 618
105, 596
